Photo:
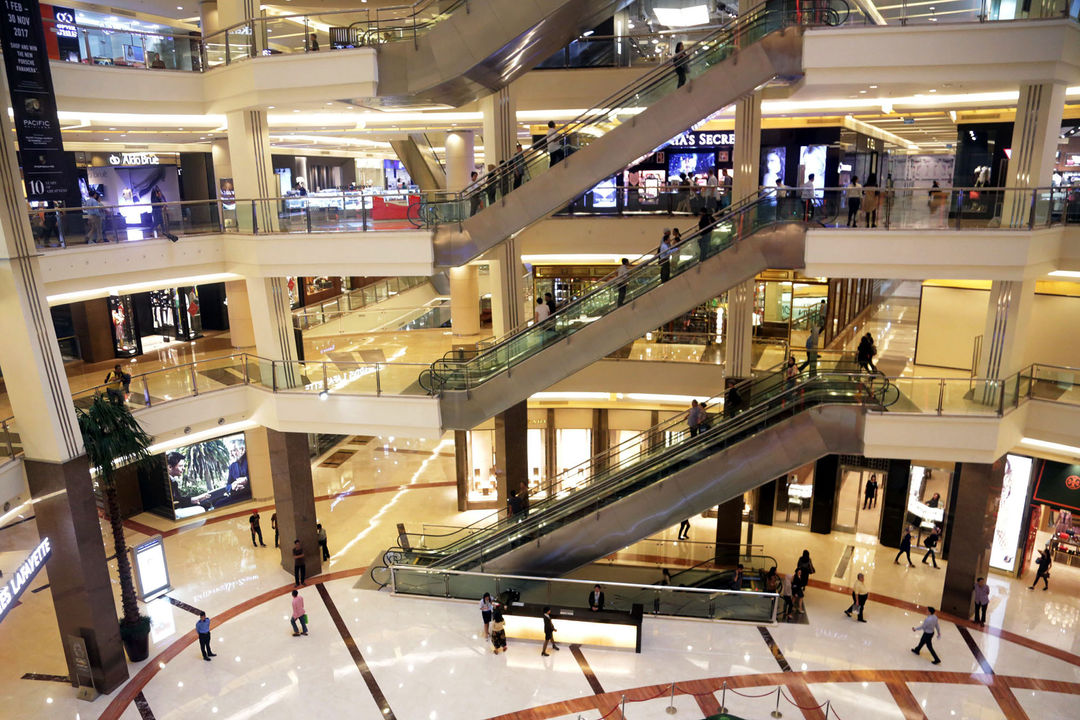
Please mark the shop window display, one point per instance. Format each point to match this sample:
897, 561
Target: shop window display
208, 475
126, 342
927, 497
795, 498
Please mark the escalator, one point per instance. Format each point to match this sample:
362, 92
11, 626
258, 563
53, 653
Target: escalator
762, 45
750, 237
418, 156
769, 426
452, 52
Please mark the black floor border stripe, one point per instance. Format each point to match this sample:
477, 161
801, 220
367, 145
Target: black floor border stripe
354, 650
143, 707
590, 676
183, 605
39, 589
975, 650
45, 677
774, 648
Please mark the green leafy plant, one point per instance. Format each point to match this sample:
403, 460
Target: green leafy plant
113, 438
207, 464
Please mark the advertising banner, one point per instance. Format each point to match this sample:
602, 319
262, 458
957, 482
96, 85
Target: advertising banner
47, 171
1010, 517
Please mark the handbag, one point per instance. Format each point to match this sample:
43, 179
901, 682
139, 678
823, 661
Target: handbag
303, 618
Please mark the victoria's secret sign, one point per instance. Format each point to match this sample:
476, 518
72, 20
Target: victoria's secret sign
20, 579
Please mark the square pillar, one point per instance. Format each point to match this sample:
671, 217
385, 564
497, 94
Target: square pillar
500, 125
974, 508
894, 503
66, 512
747, 151
1039, 110
728, 531
826, 472
465, 300
253, 170
294, 497
738, 331
512, 451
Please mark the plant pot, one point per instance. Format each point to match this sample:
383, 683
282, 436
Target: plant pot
136, 637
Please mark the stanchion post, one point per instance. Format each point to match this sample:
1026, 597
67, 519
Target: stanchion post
776, 713
828, 708
723, 697
622, 710
671, 709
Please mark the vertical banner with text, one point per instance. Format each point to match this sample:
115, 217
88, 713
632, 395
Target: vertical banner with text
48, 172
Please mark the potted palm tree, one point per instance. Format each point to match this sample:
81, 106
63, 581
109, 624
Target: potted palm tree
113, 438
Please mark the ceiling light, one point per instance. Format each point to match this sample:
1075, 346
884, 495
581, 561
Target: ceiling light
270, 107
873, 87
933, 91
587, 33
179, 7
1051, 446
1065, 273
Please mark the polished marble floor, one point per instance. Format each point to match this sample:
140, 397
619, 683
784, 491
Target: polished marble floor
411, 658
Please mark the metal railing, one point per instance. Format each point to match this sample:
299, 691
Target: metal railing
737, 605
352, 300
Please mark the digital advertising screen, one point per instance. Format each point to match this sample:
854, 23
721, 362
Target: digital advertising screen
773, 162
812, 162
651, 182
151, 570
603, 194
1010, 517
208, 475
690, 163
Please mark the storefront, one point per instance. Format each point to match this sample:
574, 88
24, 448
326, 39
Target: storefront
93, 38
123, 326
125, 182
1052, 520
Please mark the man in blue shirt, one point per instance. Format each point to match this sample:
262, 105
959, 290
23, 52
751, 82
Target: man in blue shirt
202, 626
929, 626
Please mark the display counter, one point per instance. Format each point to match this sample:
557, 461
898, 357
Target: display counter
606, 628
1066, 552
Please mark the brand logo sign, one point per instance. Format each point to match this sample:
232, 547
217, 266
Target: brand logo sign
134, 159
65, 23
1073, 482
20, 579
702, 139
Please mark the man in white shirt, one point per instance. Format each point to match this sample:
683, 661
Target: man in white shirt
806, 193
622, 277
664, 251
859, 595
929, 626
542, 311
854, 200
712, 191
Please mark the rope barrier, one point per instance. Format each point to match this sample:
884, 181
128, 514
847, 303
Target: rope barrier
811, 707
691, 692
747, 695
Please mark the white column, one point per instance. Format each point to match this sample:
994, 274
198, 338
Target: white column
737, 340
465, 300
1034, 147
1005, 334
459, 159
505, 272
740, 311
747, 150
209, 18
252, 168
500, 126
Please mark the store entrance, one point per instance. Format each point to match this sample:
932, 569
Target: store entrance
858, 502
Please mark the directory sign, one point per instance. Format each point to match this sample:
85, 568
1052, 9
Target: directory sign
20, 579
47, 170
151, 570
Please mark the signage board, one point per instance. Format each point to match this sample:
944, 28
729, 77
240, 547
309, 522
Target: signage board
151, 568
48, 172
20, 579
703, 139
1058, 485
134, 159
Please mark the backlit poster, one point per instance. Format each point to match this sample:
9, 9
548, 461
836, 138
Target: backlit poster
1010, 517
603, 194
208, 475
812, 162
773, 161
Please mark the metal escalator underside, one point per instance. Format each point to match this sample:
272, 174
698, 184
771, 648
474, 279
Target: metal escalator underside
778, 246
689, 490
476, 51
777, 55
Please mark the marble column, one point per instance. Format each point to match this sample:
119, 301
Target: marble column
729, 531
1039, 110
512, 451
294, 497
973, 512
465, 300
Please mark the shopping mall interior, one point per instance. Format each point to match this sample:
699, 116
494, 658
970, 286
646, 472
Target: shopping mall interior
555, 359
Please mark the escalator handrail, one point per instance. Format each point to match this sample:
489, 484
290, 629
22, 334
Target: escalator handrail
611, 278
732, 427
588, 500
448, 366
831, 13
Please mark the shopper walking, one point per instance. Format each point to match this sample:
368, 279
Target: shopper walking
299, 568
273, 524
806, 564
253, 521
981, 596
806, 194
664, 253
798, 589
298, 613
160, 213
930, 543
870, 493
684, 529
550, 302
871, 201
1043, 564
859, 595
94, 213
622, 277
541, 312
929, 627
705, 223
498, 630
549, 633
905, 548
854, 200
202, 627
811, 350
486, 606
320, 533
785, 592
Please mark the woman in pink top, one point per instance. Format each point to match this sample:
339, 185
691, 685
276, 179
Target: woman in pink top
298, 613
